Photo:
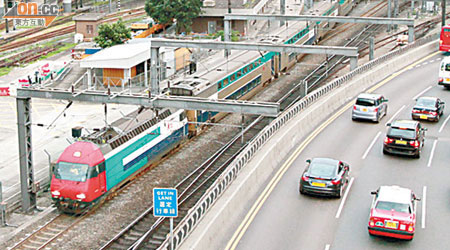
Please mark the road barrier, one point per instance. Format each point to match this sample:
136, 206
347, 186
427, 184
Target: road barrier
186, 226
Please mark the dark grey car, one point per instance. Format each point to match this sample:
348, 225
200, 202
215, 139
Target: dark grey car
428, 108
369, 107
324, 176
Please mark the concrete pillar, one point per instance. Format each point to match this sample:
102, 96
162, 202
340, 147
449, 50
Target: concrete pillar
371, 48
227, 34
67, 5
410, 34
353, 62
443, 13
282, 10
154, 78
89, 78
389, 15
145, 73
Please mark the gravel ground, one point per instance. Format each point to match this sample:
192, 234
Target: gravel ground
114, 215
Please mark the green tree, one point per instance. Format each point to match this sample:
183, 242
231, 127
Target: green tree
167, 11
112, 34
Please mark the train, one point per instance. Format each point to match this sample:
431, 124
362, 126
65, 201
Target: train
101, 162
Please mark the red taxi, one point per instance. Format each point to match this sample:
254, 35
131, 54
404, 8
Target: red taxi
393, 212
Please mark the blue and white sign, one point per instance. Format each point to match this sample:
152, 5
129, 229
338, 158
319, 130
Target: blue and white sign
165, 203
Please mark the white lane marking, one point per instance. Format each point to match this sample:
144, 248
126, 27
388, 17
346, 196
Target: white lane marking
438, 58
443, 124
392, 118
424, 203
344, 198
431, 61
417, 66
423, 91
327, 246
432, 153
371, 145
425, 63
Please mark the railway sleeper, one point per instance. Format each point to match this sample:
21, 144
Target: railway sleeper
126, 242
120, 247
50, 234
160, 236
131, 237
155, 242
42, 237
141, 228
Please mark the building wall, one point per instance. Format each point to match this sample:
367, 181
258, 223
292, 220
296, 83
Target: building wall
113, 77
182, 57
82, 28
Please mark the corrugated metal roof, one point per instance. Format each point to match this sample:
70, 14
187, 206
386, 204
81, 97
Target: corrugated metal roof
121, 56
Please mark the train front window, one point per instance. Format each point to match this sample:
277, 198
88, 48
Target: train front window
71, 171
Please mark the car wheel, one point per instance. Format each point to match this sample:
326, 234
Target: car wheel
340, 192
417, 156
301, 190
385, 152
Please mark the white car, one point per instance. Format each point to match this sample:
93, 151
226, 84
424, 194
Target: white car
444, 72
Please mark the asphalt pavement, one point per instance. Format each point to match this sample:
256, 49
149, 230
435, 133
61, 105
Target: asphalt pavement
288, 220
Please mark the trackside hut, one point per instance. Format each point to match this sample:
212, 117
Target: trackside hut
120, 64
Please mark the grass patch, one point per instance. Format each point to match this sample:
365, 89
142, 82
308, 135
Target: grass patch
5, 70
101, 3
59, 50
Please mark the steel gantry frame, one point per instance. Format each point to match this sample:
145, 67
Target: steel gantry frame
29, 187
28, 190
156, 43
335, 19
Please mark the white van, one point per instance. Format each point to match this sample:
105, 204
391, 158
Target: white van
444, 72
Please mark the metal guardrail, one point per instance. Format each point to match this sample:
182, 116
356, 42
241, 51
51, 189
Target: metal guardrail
213, 193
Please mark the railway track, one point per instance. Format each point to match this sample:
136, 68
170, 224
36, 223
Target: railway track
44, 236
150, 232
10, 42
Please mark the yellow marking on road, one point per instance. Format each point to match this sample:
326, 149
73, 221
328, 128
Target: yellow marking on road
239, 233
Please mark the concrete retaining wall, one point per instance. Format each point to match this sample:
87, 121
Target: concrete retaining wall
217, 226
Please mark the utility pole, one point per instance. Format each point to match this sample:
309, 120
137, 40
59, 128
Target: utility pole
6, 19
443, 12
282, 10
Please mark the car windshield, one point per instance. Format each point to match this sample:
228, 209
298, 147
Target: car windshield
365, 102
71, 171
402, 133
397, 207
425, 102
322, 170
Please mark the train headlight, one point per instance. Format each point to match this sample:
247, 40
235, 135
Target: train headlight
81, 196
56, 193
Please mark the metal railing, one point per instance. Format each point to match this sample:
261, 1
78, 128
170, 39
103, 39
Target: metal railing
199, 210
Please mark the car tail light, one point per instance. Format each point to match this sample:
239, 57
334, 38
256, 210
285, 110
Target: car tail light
411, 227
415, 111
354, 107
336, 182
440, 42
375, 110
305, 178
433, 113
441, 79
416, 144
371, 223
388, 140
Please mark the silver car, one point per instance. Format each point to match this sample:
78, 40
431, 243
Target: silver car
369, 107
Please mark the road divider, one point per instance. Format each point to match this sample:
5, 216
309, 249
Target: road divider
371, 145
422, 92
341, 206
443, 124
432, 153
395, 115
424, 205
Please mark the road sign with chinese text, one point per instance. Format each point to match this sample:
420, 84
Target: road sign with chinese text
165, 203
